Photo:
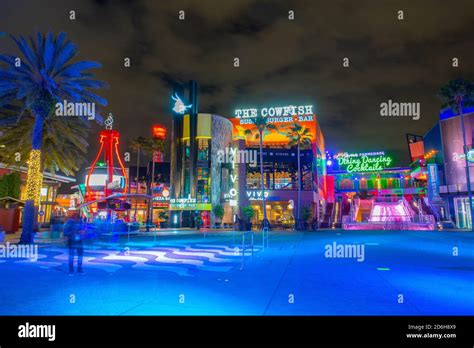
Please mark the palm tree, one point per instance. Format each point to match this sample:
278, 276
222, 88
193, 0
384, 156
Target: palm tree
151, 146
261, 124
58, 153
456, 94
43, 78
299, 136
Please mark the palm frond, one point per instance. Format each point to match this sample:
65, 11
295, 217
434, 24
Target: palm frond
46, 76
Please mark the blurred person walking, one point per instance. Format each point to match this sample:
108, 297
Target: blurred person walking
74, 231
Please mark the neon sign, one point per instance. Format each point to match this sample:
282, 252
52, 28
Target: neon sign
229, 157
179, 106
363, 162
470, 156
460, 156
276, 111
183, 200
256, 195
159, 131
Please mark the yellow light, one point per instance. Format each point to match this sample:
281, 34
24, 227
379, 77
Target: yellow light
34, 180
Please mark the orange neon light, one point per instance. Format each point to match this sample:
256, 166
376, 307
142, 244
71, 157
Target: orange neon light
159, 131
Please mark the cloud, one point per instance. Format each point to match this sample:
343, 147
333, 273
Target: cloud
281, 60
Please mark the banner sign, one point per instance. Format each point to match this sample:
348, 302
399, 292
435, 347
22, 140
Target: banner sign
433, 183
283, 117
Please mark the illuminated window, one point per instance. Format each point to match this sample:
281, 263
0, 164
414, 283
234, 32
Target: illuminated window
186, 182
187, 150
203, 149
203, 189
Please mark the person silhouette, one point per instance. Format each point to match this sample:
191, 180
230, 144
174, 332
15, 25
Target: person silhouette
74, 231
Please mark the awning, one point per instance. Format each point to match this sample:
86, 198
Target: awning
12, 200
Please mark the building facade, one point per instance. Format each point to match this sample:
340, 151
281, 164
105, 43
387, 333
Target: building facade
370, 193
280, 167
49, 190
196, 174
448, 187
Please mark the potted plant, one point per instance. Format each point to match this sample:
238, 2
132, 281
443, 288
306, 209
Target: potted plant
219, 214
249, 213
198, 222
305, 216
163, 219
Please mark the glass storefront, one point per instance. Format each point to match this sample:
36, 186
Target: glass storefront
462, 211
279, 176
280, 214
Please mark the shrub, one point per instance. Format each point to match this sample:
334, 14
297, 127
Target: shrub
248, 212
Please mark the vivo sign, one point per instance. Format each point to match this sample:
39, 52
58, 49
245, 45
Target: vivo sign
256, 195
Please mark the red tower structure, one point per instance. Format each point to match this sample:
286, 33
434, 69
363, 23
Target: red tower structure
109, 141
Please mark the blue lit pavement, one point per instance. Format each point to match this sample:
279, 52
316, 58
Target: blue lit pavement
187, 274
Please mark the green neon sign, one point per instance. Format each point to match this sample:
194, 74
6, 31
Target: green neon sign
190, 206
364, 162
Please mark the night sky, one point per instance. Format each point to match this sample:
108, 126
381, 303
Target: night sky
282, 61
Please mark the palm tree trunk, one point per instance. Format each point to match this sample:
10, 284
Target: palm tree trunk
33, 183
263, 182
136, 189
468, 176
298, 222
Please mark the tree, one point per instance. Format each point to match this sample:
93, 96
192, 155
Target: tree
59, 153
455, 95
219, 212
260, 122
41, 79
198, 221
163, 215
248, 212
137, 145
299, 136
305, 213
10, 185
151, 146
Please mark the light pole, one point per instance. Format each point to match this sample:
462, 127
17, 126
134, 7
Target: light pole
136, 189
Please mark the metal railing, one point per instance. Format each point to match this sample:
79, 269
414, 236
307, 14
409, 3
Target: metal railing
265, 234
246, 246
396, 224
